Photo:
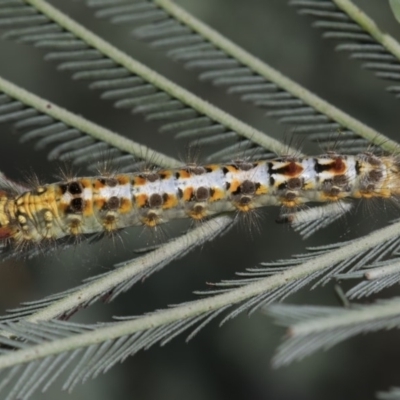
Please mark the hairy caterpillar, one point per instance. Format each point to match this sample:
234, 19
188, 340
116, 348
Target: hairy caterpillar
90, 205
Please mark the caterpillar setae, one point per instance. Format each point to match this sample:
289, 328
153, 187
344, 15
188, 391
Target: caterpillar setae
89, 205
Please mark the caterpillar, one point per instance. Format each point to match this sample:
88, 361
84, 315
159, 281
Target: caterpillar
89, 205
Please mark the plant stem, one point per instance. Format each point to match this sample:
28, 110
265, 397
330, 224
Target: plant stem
186, 97
85, 126
263, 69
195, 308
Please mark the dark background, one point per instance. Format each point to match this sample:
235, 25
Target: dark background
232, 362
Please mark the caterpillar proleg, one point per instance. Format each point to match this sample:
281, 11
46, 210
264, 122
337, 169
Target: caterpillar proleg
88, 205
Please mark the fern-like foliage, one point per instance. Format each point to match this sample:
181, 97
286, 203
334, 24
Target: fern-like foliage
226, 65
128, 83
315, 328
38, 345
343, 22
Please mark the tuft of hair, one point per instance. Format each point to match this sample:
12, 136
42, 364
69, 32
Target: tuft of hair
9, 186
154, 235
31, 180
250, 221
66, 171
192, 156
294, 146
106, 165
146, 162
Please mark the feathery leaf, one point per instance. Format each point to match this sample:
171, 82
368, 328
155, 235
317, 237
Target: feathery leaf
313, 328
376, 277
357, 34
105, 345
109, 285
186, 39
122, 79
82, 140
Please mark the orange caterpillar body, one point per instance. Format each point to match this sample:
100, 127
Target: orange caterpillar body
107, 203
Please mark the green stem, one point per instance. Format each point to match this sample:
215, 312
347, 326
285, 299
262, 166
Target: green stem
195, 308
362, 19
163, 254
158, 80
85, 126
348, 318
282, 81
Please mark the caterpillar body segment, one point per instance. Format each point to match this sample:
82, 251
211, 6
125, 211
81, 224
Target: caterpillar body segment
97, 204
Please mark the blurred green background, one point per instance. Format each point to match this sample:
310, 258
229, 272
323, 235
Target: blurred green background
232, 362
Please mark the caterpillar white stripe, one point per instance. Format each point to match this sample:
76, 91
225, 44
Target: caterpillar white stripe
108, 203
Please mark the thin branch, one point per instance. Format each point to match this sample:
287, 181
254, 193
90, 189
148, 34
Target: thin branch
391, 44
158, 80
195, 308
85, 126
281, 80
312, 328
348, 318
158, 257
